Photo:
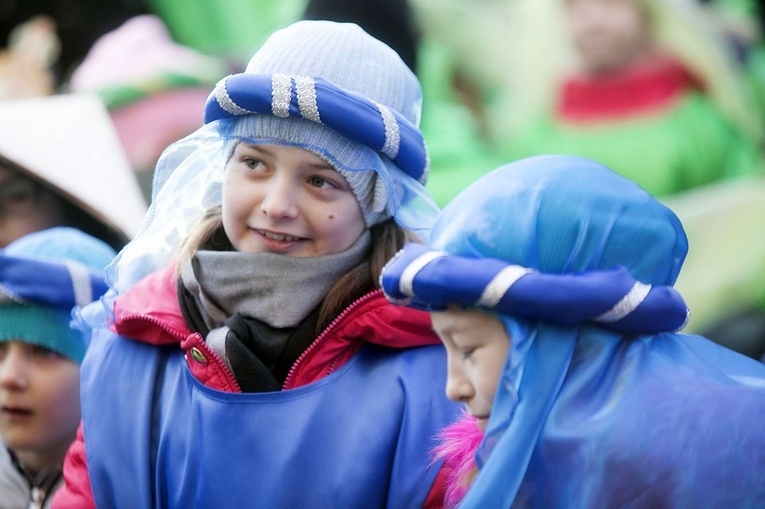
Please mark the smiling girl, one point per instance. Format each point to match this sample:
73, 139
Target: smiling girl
252, 360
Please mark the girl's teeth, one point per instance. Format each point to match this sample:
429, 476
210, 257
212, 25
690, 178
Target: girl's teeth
276, 236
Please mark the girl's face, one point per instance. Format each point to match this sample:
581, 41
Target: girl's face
607, 34
476, 344
287, 200
39, 402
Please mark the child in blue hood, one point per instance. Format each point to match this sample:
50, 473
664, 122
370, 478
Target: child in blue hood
550, 284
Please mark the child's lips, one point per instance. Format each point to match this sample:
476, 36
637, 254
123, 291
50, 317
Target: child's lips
15, 412
277, 236
481, 421
478, 416
278, 241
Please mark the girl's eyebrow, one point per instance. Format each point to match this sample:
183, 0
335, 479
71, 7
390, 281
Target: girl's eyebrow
323, 165
256, 148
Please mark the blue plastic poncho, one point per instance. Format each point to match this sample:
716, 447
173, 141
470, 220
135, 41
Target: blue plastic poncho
586, 415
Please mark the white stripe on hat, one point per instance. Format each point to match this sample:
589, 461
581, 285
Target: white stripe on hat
500, 284
83, 291
225, 101
406, 284
306, 97
626, 305
281, 95
392, 133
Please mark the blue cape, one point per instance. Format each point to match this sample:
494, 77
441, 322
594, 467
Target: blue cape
587, 416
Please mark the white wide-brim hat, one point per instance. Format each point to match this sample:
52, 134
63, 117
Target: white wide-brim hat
68, 143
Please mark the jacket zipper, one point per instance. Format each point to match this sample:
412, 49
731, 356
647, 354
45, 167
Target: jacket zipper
173, 332
226, 372
39, 488
322, 337
41, 492
308, 351
180, 337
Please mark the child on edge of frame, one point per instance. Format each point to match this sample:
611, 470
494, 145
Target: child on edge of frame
264, 365
61, 164
647, 87
44, 275
550, 285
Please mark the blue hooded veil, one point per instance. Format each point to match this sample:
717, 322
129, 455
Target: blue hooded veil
586, 415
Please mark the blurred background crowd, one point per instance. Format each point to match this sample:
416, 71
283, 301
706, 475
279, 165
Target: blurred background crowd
670, 93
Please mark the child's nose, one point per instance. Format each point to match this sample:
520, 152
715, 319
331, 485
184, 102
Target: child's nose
458, 387
279, 200
13, 373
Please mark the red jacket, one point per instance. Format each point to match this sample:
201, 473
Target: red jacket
150, 313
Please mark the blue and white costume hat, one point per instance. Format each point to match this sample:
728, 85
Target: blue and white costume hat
432, 280
578, 263
43, 277
327, 87
476, 258
373, 125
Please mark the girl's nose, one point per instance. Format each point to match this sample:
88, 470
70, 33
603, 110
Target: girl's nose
458, 386
280, 199
13, 372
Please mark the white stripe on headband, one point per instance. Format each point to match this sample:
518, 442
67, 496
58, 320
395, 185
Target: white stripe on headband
225, 101
281, 95
306, 98
426, 171
7, 296
500, 284
81, 287
392, 133
626, 305
406, 283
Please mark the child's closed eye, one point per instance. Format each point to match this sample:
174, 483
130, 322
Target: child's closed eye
45, 353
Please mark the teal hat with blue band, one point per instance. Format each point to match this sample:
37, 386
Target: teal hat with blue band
43, 277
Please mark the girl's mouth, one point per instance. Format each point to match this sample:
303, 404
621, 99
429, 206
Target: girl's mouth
16, 412
279, 237
481, 420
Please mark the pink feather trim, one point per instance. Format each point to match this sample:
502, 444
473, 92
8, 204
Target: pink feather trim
458, 443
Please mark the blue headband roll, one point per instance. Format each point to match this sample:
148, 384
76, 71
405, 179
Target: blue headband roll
350, 114
431, 280
56, 284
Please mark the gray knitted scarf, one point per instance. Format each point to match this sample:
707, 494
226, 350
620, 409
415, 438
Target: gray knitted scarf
278, 290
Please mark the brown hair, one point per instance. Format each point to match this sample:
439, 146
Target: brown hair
387, 238
207, 234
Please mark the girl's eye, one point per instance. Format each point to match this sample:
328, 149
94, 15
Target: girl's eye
319, 182
251, 162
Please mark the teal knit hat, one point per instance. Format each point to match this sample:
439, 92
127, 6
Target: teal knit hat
43, 276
